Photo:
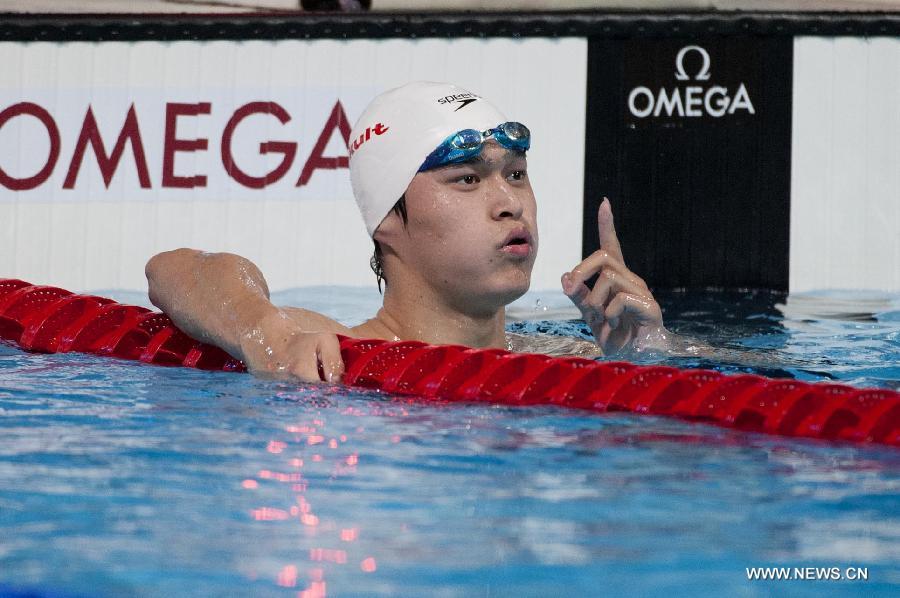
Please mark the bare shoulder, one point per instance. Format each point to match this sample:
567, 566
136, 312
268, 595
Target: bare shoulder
311, 321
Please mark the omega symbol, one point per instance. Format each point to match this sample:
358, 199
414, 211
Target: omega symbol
703, 75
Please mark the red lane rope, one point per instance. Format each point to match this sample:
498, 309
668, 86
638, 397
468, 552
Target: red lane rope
53, 320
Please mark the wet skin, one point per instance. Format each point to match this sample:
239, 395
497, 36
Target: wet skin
466, 252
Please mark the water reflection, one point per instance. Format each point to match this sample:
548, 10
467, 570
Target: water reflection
121, 479
477, 487
334, 539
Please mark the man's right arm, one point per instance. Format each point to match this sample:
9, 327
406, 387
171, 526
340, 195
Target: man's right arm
223, 299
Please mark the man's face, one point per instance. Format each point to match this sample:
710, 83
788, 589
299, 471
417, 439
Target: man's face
472, 231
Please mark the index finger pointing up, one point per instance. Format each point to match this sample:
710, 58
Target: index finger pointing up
607, 231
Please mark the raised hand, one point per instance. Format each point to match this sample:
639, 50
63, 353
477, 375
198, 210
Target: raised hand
620, 309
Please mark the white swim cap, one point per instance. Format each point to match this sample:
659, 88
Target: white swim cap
398, 130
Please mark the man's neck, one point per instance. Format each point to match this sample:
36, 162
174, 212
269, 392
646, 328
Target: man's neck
425, 317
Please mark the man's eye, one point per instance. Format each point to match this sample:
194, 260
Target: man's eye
469, 179
518, 175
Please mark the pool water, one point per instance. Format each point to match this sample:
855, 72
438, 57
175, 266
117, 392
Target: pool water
121, 479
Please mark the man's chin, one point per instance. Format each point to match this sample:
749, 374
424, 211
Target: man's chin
513, 292
488, 302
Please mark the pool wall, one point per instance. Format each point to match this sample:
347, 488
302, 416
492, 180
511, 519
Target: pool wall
739, 150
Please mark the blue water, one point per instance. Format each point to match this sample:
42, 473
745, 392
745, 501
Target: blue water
119, 479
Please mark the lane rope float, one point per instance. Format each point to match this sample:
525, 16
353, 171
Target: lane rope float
52, 320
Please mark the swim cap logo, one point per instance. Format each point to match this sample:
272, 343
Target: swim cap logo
462, 99
691, 100
378, 129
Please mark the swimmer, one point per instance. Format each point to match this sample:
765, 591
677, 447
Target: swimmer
444, 192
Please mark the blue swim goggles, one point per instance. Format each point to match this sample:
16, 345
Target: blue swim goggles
466, 144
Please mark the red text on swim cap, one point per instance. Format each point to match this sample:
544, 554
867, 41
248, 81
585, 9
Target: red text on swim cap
378, 129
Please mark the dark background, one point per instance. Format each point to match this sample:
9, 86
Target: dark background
699, 202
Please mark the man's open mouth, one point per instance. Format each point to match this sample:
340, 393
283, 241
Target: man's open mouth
517, 242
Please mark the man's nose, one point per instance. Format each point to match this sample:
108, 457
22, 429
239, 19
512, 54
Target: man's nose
504, 201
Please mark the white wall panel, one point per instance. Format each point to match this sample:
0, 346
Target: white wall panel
94, 237
845, 179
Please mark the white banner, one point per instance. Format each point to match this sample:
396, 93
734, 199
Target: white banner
110, 152
845, 164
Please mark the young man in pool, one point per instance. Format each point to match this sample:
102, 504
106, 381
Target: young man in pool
444, 192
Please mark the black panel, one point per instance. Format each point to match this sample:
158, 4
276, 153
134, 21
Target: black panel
285, 25
700, 201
